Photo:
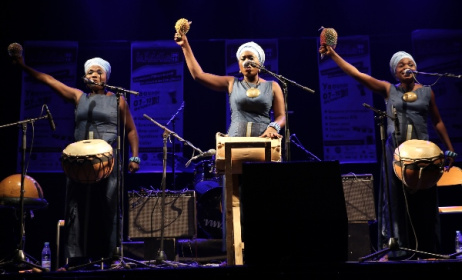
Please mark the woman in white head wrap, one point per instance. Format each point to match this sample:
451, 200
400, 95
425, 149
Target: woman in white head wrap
251, 97
413, 104
95, 118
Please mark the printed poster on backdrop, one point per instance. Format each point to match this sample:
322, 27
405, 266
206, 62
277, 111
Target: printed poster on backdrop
43, 145
157, 74
270, 46
348, 127
437, 53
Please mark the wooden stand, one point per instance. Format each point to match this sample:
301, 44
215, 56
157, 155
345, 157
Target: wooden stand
234, 244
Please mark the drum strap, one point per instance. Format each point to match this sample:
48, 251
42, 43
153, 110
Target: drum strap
409, 132
248, 130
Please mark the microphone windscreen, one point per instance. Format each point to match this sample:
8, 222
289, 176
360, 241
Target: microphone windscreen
182, 25
328, 36
15, 50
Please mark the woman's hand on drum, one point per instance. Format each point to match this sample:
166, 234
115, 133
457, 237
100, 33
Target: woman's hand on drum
133, 167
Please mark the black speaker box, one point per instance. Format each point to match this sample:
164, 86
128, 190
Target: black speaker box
359, 240
145, 214
293, 213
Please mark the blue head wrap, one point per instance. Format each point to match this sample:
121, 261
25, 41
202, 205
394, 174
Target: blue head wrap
254, 48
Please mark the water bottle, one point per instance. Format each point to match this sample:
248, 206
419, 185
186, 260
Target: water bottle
458, 243
46, 256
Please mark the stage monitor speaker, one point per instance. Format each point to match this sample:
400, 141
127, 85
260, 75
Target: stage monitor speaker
359, 197
293, 213
145, 214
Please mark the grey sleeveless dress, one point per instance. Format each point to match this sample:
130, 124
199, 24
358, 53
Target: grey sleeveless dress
250, 116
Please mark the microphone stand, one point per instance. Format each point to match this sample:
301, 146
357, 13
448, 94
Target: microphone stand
19, 256
172, 119
161, 256
284, 81
392, 242
438, 74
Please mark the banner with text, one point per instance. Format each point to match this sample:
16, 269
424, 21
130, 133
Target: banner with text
157, 74
348, 127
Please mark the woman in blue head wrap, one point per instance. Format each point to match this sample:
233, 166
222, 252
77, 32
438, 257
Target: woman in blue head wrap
92, 236
251, 97
414, 104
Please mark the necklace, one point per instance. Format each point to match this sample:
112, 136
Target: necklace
410, 96
252, 92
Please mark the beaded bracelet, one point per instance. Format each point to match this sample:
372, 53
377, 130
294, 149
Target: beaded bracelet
134, 159
274, 125
450, 154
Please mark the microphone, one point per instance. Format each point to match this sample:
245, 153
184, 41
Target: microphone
409, 72
209, 153
90, 82
249, 63
395, 115
50, 118
15, 50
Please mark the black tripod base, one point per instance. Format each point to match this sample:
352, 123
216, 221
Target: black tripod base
19, 262
115, 262
394, 247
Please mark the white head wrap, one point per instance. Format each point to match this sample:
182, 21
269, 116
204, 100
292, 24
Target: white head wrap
99, 62
254, 48
396, 58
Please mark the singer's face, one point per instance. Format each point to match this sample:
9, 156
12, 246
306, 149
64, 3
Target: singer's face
403, 64
96, 73
245, 56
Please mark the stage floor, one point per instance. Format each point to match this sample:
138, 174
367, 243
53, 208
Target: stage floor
440, 269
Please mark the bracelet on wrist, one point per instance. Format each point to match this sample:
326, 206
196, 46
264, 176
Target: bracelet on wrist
450, 154
134, 159
274, 125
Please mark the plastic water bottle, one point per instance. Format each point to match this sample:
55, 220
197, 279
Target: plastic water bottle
46, 256
458, 243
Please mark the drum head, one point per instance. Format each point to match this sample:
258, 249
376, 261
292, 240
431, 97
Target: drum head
88, 161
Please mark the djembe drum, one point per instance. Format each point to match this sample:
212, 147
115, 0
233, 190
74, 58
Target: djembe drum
419, 164
88, 161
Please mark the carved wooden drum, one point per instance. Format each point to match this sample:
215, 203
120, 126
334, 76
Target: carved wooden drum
88, 161
419, 164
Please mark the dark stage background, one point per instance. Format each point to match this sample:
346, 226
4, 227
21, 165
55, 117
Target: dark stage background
106, 28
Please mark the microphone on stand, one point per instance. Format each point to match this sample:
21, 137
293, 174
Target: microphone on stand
50, 118
209, 153
409, 72
89, 81
251, 63
15, 50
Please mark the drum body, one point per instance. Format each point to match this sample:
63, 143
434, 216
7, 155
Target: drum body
210, 212
209, 188
88, 161
419, 164
205, 176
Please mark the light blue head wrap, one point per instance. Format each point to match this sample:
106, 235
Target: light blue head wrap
396, 58
99, 62
254, 48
